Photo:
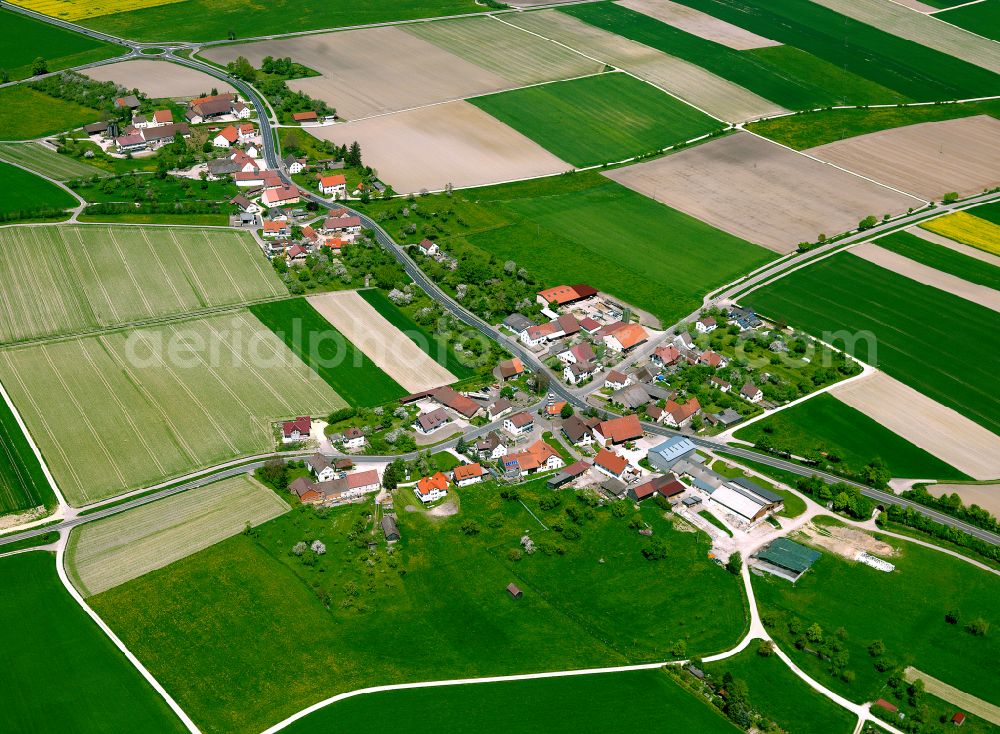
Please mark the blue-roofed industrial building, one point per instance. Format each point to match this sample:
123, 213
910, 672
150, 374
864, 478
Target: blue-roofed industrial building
668, 453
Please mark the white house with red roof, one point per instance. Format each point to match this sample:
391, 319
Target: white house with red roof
519, 424
430, 489
296, 430
334, 185
705, 325
275, 229
467, 474
281, 196
626, 337
226, 137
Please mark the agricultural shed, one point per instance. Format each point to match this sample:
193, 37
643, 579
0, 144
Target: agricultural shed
791, 559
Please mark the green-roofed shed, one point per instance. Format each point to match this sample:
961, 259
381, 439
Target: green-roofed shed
789, 556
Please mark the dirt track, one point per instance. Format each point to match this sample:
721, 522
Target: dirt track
929, 159
158, 78
455, 143
386, 346
761, 191
928, 276
941, 431
698, 24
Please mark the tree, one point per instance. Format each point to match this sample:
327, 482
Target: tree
868, 222
393, 473
952, 616
735, 563
977, 627
566, 412
814, 633
299, 548
765, 648
39, 66
4, 76
950, 198
876, 473
461, 446
275, 474
353, 157
655, 551
876, 649
318, 547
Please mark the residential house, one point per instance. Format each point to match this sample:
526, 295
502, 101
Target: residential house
719, 384
578, 431
666, 455
276, 229
751, 392
226, 137
665, 356
517, 323
684, 341
363, 482
334, 185
499, 409
431, 489
282, 196
296, 253
656, 414
626, 338
353, 439
491, 446
578, 372
246, 132
537, 457
511, 369
321, 468
725, 419
709, 358
245, 204
616, 380
538, 334
519, 424
241, 111
293, 164
618, 430
745, 318
705, 325
581, 352
428, 248
611, 464
296, 430
680, 415
467, 474
432, 420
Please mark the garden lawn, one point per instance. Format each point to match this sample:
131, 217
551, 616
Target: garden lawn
302, 629
909, 68
27, 196
47, 162
789, 76
982, 18
342, 366
29, 38
60, 671
20, 120
432, 347
84, 278
905, 609
598, 119
825, 424
567, 705
897, 325
23, 485
941, 258
216, 21
780, 695
809, 129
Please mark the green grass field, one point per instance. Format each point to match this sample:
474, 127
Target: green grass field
201, 220
82, 278
172, 22
548, 226
910, 69
905, 609
989, 212
941, 258
825, 424
342, 365
568, 705
598, 119
439, 352
26, 195
435, 608
22, 483
782, 696
60, 48
897, 324
107, 553
783, 74
809, 129
126, 409
61, 673
47, 162
19, 118
982, 18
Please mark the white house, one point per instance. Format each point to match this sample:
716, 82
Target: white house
296, 430
363, 482
519, 424
617, 380
577, 372
226, 137
431, 489
752, 393
468, 474
499, 409
491, 447
353, 439
705, 325
335, 186
428, 248
241, 111
321, 468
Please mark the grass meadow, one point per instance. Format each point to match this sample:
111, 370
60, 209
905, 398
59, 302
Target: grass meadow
93, 277
598, 119
831, 427
19, 118
22, 483
433, 607
339, 363
431, 346
567, 705
782, 696
47, 162
982, 18
787, 75
910, 69
109, 552
989, 212
905, 609
216, 21
809, 129
978, 227
60, 671
126, 409
61, 48
941, 258
26, 195
897, 324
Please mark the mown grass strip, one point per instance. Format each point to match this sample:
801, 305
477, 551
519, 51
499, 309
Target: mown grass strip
941, 258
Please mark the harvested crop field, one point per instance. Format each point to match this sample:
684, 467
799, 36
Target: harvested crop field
967, 228
104, 554
986, 496
85, 277
928, 160
699, 24
693, 84
386, 346
47, 162
939, 430
760, 191
921, 273
158, 78
127, 409
456, 142
919, 28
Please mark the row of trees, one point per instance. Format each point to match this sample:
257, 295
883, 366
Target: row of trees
914, 519
952, 504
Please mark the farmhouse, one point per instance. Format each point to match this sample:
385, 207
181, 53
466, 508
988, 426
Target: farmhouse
431, 489
667, 454
511, 369
618, 430
461, 404
296, 430
281, 196
353, 439
666, 486
517, 323
577, 431
748, 501
363, 482
428, 248
519, 424
499, 409
335, 186
562, 295
432, 420
626, 337
611, 464
205, 109
321, 468
633, 396
226, 136
341, 225
305, 491
467, 474
276, 229
581, 352
751, 392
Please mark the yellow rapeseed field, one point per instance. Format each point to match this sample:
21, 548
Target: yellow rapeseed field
79, 9
967, 229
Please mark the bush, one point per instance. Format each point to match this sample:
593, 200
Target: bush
655, 551
977, 627
342, 414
